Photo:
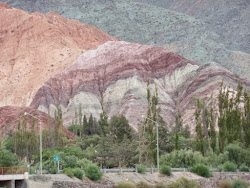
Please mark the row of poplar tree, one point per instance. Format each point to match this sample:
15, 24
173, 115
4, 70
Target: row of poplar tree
230, 114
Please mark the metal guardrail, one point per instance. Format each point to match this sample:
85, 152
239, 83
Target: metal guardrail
120, 170
12, 170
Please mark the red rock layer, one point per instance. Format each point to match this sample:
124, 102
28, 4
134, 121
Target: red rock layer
35, 47
113, 66
95, 70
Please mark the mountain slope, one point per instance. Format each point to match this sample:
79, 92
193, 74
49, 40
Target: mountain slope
229, 19
35, 47
146, 24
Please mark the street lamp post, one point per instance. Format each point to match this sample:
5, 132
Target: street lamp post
157, 141
41, 148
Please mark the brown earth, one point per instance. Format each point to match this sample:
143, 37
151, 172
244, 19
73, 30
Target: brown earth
34, 47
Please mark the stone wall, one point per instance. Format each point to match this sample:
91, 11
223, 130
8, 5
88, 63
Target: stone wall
68, 184
218, 176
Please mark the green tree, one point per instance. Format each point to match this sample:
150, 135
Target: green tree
7, 158
198, 128
91, 125
246, 119
85, 126
103, 122
177, 144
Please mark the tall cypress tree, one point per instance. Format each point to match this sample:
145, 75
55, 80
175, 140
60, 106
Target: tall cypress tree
90, 125
198, 128
246, 119
103, 122
152, 114
85, 125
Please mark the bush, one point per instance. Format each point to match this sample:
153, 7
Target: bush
182, 159
244, 168
53, 170
229, 167
141, 169
165, 170
7, 158
161, 185
70, 161
238, 154
125, 185
225, 184
239, 184
69, 172
78, 173
183, 182
201, 170
83, 163
220, 168
93, 172
143, 185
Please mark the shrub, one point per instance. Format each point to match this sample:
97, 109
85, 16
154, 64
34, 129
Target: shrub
7, 158
244, 168
78, 173
165, 170
125, 185
238, 154
69, 172
161, 185
201, 170
53, 170
93, 172
143, 185
83, 163
182, 158
220, 168
141, 169
229, 167
70, 161
183, 182
239, 184
225, 184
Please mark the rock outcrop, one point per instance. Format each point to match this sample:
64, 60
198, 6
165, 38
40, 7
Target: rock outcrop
35, 47
114, 78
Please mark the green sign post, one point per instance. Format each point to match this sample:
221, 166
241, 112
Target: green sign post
57, 159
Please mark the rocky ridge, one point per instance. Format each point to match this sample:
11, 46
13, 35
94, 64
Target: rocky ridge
34, 47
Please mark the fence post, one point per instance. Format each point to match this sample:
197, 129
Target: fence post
152, 170
136, 170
